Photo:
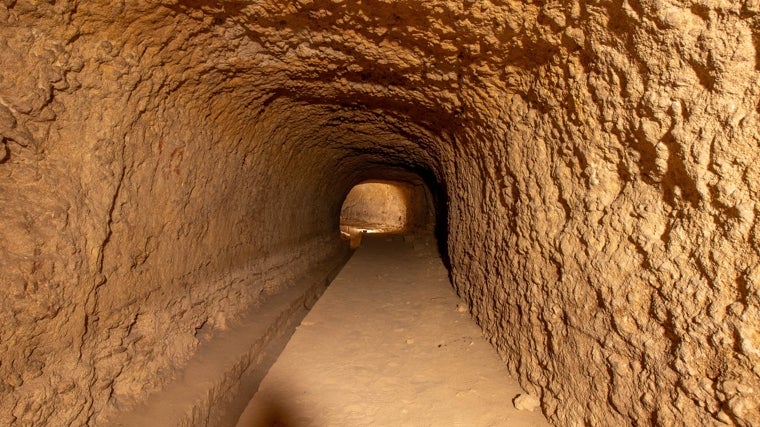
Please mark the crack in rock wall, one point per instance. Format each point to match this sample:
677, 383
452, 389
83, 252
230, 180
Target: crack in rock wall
165, 165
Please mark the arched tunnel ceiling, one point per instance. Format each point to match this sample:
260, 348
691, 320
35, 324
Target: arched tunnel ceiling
408, 60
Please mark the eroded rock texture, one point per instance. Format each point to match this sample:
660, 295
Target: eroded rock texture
166, 164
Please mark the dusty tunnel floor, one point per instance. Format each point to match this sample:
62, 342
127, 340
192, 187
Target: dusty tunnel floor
387, 345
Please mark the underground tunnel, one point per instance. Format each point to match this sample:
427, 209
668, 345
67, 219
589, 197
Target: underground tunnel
388, 207
172, 172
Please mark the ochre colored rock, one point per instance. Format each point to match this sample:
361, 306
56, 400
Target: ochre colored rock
165, 165
526, 402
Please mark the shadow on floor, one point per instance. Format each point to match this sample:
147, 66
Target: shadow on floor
273, 411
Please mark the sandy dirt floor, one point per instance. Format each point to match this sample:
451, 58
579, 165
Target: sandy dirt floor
386, 345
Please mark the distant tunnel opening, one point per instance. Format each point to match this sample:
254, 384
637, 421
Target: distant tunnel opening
382, 206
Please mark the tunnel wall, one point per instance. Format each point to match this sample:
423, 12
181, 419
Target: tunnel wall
142, 210
599, 160
607, 236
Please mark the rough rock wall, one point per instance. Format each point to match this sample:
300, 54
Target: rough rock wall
599, 158
621, 192
145, 197
616, 265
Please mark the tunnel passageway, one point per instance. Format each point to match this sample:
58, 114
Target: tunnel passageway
172, 174
395, 207
388, 344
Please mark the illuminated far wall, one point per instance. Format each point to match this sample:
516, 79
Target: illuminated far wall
386, 207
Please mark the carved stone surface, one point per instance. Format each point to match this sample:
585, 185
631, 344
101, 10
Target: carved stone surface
165, 165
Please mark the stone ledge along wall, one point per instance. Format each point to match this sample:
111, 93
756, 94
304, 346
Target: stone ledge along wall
165, 164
